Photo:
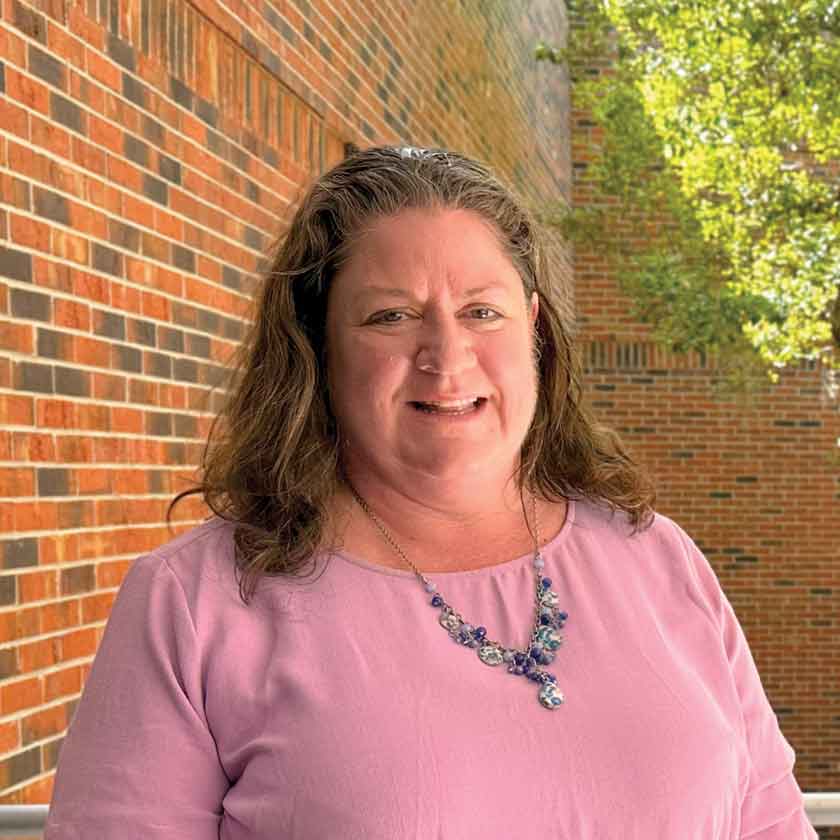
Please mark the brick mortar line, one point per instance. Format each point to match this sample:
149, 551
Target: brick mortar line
43, 776
90, 400
92, 433
18, 716
41, 742
28, 214
89, 465
93, 530
125, 132
45, 603
78, 465
43, 672
14, 535
59, 434
88, 433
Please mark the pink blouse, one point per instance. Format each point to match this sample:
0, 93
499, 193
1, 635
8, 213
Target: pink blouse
337, 708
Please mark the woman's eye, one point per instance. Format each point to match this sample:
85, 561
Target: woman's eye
383, 319
493, 314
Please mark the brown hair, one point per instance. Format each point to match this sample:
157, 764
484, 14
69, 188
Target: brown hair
276, 461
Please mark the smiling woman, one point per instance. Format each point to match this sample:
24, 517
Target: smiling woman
440, 356
408, 403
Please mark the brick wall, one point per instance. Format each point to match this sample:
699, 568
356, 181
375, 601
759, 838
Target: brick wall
149, 151
756, 485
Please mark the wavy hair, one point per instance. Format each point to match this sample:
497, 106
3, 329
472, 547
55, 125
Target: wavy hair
271, 461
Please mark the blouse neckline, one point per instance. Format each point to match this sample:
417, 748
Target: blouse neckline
485, 571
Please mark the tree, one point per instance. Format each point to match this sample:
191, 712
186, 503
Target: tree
721, 120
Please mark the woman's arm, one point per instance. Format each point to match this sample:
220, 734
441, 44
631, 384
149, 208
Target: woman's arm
139, 761
773, 808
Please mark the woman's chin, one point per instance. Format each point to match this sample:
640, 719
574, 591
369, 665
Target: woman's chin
456, 462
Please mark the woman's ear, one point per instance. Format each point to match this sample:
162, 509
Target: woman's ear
535, 307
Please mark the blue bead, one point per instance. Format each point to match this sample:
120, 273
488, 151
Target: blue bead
545, 619
546, 582
437, 601
563, 615
480, 632
535, 652
519, 658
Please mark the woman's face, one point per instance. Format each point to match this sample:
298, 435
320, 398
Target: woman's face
429, 308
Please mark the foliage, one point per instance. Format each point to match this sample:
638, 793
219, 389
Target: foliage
720, 119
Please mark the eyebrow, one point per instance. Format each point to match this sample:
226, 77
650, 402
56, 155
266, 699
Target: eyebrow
402, 293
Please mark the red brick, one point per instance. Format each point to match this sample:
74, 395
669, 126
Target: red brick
16, 409
68, 246
86, 29
106, 134
18, 338
30, 233
33, 446
73, 314
104, 71
14, 118
27, 91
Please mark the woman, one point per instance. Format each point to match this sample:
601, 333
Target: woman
405, 422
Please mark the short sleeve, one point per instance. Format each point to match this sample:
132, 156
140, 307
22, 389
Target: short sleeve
773, 807
139, 761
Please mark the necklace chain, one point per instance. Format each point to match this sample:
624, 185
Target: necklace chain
392, 542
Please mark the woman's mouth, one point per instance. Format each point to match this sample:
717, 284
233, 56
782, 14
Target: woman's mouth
450, 408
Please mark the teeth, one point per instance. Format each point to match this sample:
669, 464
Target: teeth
453, 404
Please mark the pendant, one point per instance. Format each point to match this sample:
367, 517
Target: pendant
550, 696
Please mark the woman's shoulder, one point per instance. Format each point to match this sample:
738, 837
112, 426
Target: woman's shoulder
656, 533
202, 551
207, 535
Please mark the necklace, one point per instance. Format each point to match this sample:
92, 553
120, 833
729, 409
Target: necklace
545, 635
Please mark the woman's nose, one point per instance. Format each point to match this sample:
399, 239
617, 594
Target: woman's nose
446, 349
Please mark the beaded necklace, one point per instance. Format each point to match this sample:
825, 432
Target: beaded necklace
545, 635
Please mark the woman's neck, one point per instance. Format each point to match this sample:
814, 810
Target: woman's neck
440, 540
